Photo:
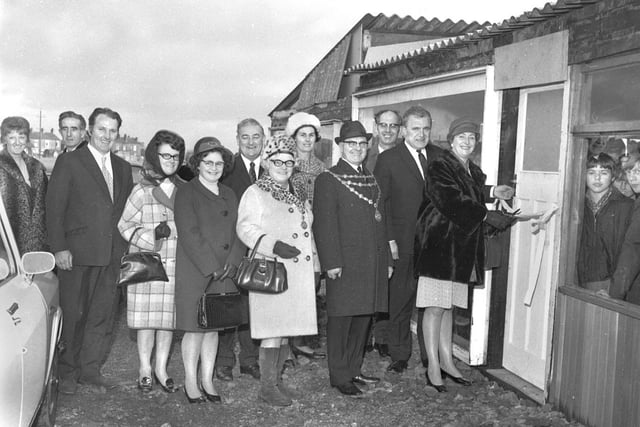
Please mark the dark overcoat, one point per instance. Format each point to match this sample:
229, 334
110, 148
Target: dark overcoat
348, 236
81, 217
626, 277
206, 225
24, 203
238, 177
449, 233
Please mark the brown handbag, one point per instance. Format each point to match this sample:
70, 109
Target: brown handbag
140, 267
261, 275
219, 311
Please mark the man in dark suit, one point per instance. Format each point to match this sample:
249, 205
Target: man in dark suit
386, 136
350, 235
72, 128
400, 173
85, 199
246, 169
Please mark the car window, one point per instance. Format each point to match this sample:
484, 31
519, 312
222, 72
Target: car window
7, 262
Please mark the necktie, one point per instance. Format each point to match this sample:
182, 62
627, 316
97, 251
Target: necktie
360, 170
252, 172
107, 177
423, 163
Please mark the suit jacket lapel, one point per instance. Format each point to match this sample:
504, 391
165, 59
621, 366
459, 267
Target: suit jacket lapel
406, 156
244, 173
92, 167
118, 177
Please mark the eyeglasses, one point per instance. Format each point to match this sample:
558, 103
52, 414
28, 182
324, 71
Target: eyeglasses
167, 156
212, 164
279, 163
392, 126
354, 145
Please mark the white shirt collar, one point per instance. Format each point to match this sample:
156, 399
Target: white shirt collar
98, 156
247, 164
414, 154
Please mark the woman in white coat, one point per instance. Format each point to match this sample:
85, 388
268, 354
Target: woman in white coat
275, 208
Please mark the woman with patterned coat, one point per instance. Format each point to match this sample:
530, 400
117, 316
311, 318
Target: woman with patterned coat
23, 185
275, 209
148, 221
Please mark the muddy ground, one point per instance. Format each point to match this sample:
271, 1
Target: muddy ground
403, 401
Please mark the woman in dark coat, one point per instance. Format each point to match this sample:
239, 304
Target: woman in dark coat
23, 185
449, 250
208, 248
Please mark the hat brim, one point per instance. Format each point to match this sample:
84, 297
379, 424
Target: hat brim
338, 140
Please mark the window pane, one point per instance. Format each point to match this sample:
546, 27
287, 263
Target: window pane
614, 94
542, 131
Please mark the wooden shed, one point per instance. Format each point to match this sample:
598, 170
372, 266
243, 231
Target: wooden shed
545, 85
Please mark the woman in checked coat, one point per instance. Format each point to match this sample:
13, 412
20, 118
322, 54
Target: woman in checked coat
148, 221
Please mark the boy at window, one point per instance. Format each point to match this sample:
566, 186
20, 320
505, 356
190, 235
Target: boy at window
607, 214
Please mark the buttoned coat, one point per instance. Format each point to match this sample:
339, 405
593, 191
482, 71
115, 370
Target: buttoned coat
25, 203
81, 217
348, 236
206, 226
293, 312
151, 305
402, 192
449, 241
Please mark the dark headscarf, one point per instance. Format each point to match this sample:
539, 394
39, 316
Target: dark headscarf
152, 170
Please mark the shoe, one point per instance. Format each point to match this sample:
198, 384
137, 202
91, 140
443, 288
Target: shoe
288, 364
313, 355
99, 381
199, 399
169, 385
67, 386
382, 349
253, 370
145, 384
368, 348
214, 398
440, 388
397, 366
365, 380
224, 373
349, 389
460, 380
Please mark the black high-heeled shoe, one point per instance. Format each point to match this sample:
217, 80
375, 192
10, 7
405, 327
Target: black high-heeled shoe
199, 399
460, 380
440, 388
214, 398
169, 385
313, 355
145, 384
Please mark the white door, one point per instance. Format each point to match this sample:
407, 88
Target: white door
532, 263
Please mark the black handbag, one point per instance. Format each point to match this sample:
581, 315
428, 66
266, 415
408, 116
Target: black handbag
140, 267
261, 275
219, 311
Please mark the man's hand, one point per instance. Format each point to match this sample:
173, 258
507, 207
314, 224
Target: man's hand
334, 273
64, 260
394, 249
390, 272
503, 192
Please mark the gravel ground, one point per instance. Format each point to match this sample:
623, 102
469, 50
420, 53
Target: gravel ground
403, 401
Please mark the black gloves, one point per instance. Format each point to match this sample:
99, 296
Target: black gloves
285, 251
498, 221
229, 271
162, 230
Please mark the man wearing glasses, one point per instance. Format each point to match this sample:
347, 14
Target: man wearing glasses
386, 135
246, 170
349, 229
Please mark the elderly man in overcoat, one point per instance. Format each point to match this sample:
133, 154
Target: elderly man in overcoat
350, 235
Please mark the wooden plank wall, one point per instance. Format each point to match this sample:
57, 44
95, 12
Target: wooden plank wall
596, 361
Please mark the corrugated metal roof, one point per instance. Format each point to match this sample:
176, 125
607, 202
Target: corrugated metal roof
486, 31
421, 26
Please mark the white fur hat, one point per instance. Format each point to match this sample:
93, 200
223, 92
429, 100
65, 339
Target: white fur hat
300, 119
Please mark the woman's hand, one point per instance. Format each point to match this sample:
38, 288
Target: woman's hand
162, 231
503, 192
284, 250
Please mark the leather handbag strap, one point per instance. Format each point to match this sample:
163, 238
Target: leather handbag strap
255, 248
131, 238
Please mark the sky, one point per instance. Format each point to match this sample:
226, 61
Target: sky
195, 67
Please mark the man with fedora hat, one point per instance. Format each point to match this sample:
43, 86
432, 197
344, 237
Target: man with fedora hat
349, 229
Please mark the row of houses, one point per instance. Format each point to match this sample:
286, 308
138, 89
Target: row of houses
545, 85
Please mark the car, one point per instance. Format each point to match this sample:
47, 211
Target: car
30, 326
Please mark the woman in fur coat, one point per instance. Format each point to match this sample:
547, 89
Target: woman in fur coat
23, 185
449, 249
